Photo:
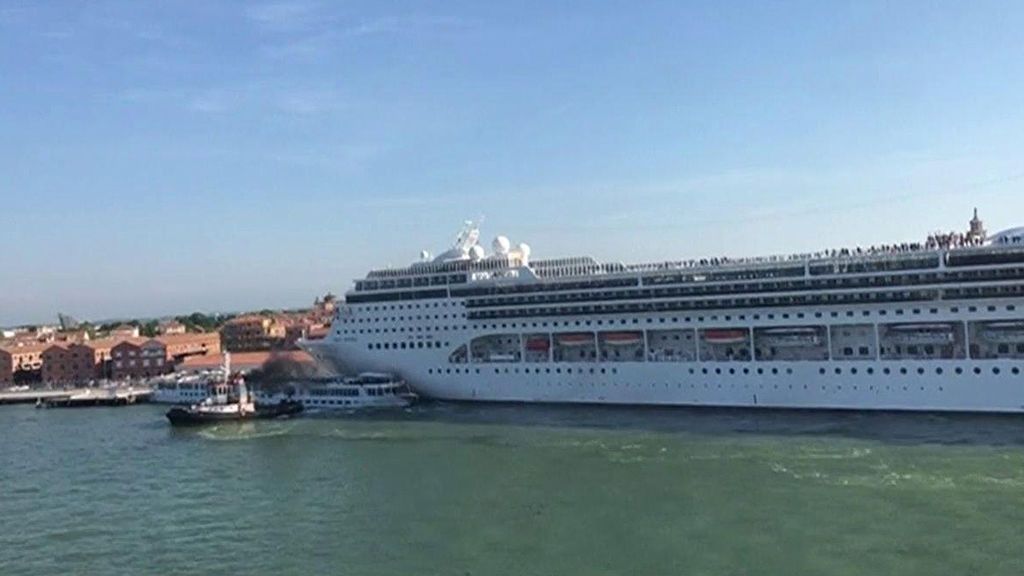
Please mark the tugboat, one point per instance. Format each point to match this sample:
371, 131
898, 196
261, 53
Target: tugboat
230, 401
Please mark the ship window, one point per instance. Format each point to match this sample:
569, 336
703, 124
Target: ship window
847, 351
864, 351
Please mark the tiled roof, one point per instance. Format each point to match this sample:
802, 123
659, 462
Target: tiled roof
26, 348
243, 360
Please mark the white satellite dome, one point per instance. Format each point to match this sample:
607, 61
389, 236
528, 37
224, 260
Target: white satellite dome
476, 253
524, 250
425, 256
501, 245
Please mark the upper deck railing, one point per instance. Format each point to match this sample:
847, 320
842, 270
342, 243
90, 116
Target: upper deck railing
912, 255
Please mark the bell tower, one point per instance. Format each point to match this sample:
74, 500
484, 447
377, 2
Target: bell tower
977, 232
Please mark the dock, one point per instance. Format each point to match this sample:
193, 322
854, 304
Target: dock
80, 397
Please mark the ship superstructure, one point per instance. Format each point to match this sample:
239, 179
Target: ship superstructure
937, 325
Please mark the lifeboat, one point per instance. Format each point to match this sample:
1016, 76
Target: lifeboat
725, 336
583, 339
1006, 332
921, 333
794, 337
538, 344
622, 338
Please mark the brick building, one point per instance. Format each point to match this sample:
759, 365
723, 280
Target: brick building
21, 363
253, 333
138, 358
68, 362
73, 362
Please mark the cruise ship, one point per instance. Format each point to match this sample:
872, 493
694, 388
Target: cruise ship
936, 325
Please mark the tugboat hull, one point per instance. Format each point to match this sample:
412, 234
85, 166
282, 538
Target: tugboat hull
190, 416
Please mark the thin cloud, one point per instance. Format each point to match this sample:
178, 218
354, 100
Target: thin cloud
325, 41
284, 16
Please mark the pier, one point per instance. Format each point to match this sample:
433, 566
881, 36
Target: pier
79, 397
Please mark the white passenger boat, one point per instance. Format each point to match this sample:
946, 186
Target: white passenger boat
367, 390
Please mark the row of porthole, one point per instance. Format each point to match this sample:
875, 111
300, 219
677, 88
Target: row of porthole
718, 371
524, 371
406, 345
939, 370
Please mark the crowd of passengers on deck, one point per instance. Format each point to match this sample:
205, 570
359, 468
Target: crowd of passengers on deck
944, 241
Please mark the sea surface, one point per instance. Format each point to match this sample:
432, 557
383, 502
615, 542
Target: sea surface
519, 490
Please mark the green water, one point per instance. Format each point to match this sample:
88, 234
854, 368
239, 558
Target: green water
512, 490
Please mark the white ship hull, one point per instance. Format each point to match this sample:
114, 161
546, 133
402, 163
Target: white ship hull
965, 385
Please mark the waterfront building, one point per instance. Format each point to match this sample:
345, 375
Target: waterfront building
69, 362
21, 362
139, 358
931, 325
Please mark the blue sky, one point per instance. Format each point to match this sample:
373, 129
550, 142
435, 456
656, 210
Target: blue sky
165, 157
